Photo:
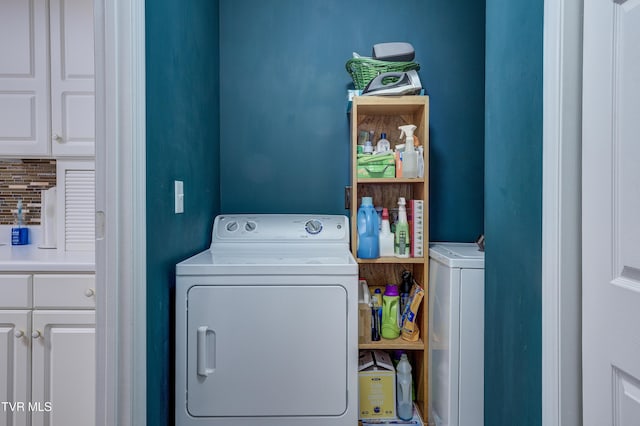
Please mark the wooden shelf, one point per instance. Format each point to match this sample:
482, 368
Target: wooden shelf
380, 114
389, 259
392, 344
390, 180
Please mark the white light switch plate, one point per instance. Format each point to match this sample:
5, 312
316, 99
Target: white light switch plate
179, 192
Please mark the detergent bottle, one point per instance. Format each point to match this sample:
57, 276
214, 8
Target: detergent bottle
409, 156
401, 244
390, 312
368, 230
403, 388
386, 236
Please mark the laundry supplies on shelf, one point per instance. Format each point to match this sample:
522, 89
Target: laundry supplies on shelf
376, 380
376, 315
405, 287
409, 156
383, 144
403, 389
381, 165
390, 312
386, 236
410, 330
368, 230
384, 115
401, 246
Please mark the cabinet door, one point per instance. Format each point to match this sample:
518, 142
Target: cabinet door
72, 78
63, 370
64, 291
24, 90
15, 362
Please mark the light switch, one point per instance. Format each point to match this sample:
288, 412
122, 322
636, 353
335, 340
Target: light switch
179, 191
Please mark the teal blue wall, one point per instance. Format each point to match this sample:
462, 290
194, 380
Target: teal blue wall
246, 104
513, 213
284, 130
182, 144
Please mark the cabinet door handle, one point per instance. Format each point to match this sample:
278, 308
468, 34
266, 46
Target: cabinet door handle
18, 333
56, 137
36, 334
89, 292
202, 370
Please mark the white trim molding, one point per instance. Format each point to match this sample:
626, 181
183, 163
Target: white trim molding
121, 209
561, 226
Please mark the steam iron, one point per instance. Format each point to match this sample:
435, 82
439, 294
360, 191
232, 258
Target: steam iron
394, 84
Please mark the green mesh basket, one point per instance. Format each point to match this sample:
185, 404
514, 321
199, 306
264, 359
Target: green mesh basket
363, 70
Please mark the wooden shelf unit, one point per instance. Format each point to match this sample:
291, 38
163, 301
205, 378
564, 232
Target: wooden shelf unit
393, 344
385, 114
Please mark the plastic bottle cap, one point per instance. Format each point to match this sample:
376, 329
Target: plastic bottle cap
401, 201
383, 135
385, 213
391, 290
367, 201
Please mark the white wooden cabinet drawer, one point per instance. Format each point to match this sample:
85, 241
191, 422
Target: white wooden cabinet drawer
64, 291
15, 291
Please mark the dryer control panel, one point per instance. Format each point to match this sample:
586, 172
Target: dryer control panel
262, 228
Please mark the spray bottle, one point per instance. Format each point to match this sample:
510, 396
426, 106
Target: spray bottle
410, 156
401, 242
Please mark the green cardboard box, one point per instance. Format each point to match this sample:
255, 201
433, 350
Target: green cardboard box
376, 166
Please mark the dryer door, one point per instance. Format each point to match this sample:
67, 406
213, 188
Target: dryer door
267, 350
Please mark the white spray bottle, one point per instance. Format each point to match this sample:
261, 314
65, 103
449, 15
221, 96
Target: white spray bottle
410, 156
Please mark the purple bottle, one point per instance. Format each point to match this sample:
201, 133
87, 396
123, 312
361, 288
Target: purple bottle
390, 312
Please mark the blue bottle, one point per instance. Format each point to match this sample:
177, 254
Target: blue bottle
368, 230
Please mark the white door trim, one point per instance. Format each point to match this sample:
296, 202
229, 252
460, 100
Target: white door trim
121, 197
561, 201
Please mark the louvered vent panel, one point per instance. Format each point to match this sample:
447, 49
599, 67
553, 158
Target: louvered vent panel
80, 200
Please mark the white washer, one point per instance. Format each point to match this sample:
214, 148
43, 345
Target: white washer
456, 335
266, 324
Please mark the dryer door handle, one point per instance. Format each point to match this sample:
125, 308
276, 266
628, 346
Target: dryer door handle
202, 346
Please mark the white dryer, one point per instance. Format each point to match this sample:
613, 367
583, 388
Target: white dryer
266, 324
456, 335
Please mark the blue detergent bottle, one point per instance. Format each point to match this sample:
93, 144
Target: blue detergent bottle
368, 230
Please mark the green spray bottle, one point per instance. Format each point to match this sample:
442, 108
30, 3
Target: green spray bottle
401, 244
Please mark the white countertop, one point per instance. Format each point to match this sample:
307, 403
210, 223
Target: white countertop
30, 258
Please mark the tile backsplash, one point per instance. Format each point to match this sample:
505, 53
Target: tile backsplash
24, 180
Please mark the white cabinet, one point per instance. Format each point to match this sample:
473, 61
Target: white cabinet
46, 78
72, 78
63, 372
15, 363
24, 78
15, 349
76, 197
47, 349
